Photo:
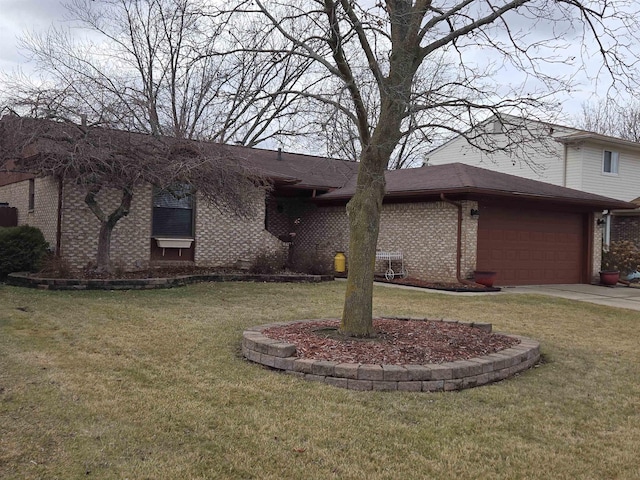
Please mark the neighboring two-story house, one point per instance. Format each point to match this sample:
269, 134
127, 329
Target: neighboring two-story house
559, 155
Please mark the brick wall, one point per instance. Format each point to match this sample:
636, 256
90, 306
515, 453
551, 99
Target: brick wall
596, 254
17, 195
223, 239
281, 214
625, 227
45, 212
130, 244
425, 232
321, 233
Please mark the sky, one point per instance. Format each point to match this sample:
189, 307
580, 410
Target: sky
18, 15
38, 15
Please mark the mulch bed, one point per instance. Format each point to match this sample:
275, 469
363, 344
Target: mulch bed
159, 272
184, 270
398, 342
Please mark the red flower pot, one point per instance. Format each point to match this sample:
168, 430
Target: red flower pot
485, 278
609, 278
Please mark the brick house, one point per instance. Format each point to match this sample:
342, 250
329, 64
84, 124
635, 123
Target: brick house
447, 220
200, 234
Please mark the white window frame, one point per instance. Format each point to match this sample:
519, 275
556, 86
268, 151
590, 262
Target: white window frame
614, 162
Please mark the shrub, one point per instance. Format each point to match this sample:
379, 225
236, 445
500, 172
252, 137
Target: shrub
21, 249
312, 264
267, 263
54, 266
623, 256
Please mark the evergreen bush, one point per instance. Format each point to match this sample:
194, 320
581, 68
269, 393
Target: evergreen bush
21, 249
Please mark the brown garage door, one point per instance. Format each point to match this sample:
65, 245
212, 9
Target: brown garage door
531, 247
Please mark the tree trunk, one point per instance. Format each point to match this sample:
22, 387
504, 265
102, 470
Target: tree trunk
363, 211
107, 223
103, 258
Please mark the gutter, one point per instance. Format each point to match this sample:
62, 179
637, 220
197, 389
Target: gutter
602, 203
458, 205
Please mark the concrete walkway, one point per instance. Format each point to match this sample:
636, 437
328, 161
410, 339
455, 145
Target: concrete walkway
620, 296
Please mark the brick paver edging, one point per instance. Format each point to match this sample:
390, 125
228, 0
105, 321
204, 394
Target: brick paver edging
457, 375
26, 280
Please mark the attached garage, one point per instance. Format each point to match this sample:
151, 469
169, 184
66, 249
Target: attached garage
451, 220
529, 246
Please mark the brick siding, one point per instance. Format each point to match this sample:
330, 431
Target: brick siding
45, 212
222, 239
596, 254
625, 227
130, 244
425, 232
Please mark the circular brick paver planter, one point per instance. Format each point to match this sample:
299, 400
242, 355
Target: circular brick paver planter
457, 375
27, 280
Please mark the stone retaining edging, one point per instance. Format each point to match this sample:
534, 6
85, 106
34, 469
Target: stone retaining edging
26, 280
448, 376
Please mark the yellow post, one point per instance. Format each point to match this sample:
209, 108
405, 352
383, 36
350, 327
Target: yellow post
340, 262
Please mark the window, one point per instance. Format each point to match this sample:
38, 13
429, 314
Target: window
32, 194
610, 162
173, 212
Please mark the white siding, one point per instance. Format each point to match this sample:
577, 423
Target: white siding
577, 166
538, 156
574, 158
624, 186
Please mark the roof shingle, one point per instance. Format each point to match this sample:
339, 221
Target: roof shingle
458, 178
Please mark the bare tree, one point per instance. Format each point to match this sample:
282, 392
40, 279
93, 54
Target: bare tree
96, 158
368, 57
160, 67
610, 118
337, 130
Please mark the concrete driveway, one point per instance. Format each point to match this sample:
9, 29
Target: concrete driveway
620, 296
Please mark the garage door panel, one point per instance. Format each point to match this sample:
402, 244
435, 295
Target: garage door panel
523, 236
531, 247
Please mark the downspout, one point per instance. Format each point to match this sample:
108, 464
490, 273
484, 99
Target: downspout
607, 230
59, 219
564, 166
458, 205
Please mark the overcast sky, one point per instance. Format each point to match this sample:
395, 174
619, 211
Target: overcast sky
18, 15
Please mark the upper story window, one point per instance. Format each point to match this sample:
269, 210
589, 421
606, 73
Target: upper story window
610, 162
173, 212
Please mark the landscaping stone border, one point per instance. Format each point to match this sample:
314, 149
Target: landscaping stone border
448, 376
26, 280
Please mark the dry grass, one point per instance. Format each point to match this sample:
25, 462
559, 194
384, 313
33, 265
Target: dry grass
151, 385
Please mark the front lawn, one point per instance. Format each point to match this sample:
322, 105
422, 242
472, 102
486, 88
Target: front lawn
151, 385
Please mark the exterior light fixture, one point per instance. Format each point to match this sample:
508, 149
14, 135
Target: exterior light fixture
601, 222
475, 213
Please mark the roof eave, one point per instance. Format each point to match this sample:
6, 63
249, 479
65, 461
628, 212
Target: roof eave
594, 137
595, 203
